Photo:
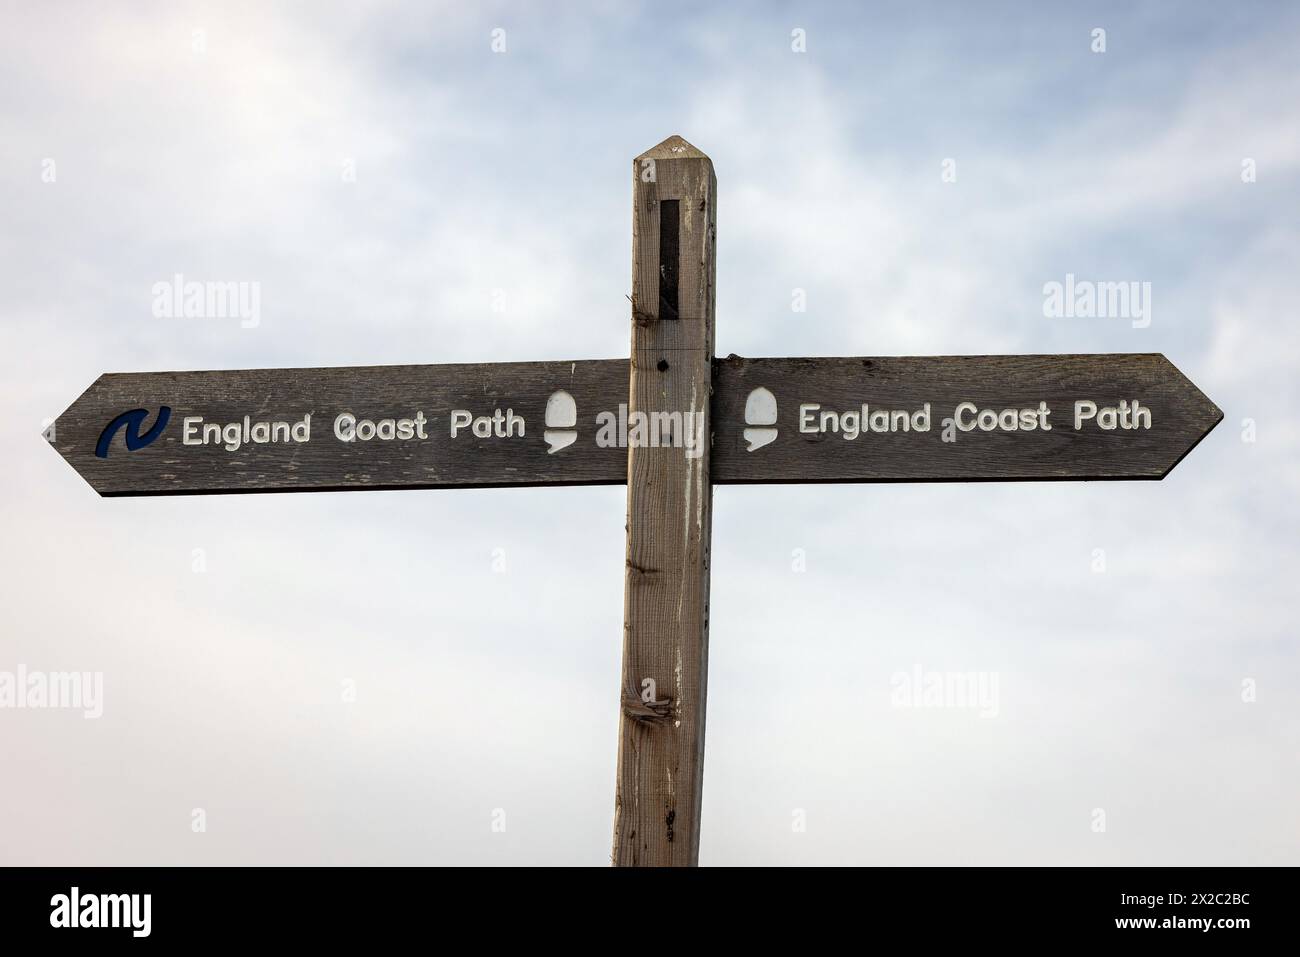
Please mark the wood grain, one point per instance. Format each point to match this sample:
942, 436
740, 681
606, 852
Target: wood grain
1180, 415
671, 371
669, 516
169, 467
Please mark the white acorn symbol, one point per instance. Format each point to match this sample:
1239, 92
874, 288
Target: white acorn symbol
760, 416
561, 421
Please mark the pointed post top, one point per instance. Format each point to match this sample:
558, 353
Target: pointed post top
673, 148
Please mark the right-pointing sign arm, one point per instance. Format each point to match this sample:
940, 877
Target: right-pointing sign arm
954, 418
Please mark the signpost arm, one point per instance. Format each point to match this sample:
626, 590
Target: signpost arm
669, 510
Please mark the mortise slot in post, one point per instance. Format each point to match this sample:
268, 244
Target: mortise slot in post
669, 257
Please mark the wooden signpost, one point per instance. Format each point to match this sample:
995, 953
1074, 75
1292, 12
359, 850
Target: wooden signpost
671, 422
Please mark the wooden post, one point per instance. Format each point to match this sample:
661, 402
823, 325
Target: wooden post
669, 510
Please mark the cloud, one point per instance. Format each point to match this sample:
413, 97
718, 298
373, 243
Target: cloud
478, 689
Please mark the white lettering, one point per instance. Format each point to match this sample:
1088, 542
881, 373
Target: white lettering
1128, 415
234, 435
74, 909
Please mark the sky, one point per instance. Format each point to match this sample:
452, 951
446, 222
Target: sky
432, 677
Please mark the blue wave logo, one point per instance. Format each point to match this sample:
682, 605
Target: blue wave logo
132, 421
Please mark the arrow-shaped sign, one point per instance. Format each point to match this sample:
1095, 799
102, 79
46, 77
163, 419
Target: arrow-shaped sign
313, 430
671, 422
568, 423
954, 418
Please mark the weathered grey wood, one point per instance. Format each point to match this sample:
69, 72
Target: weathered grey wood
167, 466
672, 372
669, 514
1180, 416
